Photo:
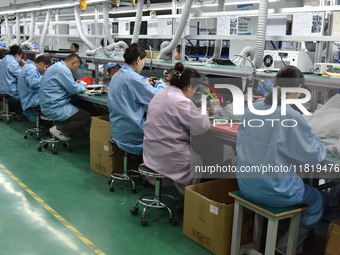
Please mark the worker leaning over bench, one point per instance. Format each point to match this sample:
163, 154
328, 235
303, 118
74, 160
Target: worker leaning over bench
29, 83
57, 87
9, 73
277, 146
129, 94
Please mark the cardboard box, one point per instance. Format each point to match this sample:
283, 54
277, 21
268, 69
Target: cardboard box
155, 54
100, 148
333, 240
208, 215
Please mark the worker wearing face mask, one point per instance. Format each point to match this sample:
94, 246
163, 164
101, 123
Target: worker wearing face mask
9, 73
129, 93
29, 84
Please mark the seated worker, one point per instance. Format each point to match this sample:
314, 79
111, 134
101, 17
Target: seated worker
278, 146
129, 94
29, 83
74, 47
177, 57
9, 72
56, 88
80, 72
172, 118
112, 68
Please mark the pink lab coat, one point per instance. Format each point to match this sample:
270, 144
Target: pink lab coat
171, 119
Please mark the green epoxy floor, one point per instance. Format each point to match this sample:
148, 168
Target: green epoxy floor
66, 183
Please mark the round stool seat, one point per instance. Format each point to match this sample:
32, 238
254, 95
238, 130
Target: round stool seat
144, 170
43, 117
4, 95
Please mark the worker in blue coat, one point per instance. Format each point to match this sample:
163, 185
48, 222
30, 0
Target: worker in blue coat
129, 94
80, 72
57, 87
29, 84
277, 145
9, 72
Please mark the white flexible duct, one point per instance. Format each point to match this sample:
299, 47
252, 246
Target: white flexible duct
121, 45
166, 52
261, 33
32, 29
17, 24
80, 29
8, 32
218, 43
44, 33
106, 22
248, 51
138, 21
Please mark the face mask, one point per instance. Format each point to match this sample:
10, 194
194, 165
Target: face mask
19, 59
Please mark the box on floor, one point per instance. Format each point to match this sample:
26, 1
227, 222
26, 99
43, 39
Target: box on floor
208, 215
333, 240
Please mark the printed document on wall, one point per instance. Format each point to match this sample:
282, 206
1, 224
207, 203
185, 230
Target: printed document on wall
227, 25
124, 27
152, 27
277, 25
308, 24
336, 24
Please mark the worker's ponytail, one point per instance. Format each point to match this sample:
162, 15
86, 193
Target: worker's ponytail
181, 76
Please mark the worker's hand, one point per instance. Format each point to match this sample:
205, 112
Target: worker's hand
152, 80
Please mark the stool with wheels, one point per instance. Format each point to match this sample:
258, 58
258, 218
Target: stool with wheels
156, 200
5, 109
125, 176
273, 214
37, 129
52, 140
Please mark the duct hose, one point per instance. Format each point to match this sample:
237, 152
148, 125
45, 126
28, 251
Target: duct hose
248, 51
138, 21
44, 33
8, 32
17, 23
166, 52
32, 30
106, 22
218, 43
261, 33
80, 28
121, 45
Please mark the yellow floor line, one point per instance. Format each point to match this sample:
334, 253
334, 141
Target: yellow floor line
54, 213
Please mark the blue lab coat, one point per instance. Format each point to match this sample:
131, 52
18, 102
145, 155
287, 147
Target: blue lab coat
9, 72
56, 88
278, 146
28, 86
129, 93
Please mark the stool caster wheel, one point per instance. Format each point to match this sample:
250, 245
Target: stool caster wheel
7, 122
109, 182
143, 222
45, 145
173, 221
31, 134
65, 145
25, 136
39, 149
38, 139
112, 189
134, 210
134, 191
54, 151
